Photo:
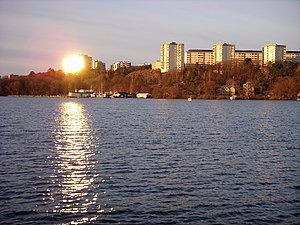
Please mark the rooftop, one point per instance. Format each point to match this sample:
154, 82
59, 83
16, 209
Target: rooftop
297, 52
253, 51
199, 50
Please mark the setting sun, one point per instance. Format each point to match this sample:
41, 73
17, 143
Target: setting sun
72, 63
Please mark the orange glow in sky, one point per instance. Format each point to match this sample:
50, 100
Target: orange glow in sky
72, 63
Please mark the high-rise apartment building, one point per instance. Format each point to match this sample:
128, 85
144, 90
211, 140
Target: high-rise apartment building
180, 57
254, 55
98, 65
222, 52
172, 57
293, 56
122, 64
274, 53
87, 61
200, 57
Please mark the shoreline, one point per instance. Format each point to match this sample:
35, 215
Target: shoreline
195, 98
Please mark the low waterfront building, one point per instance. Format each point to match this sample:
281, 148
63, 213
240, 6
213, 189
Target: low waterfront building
230, 89
248, 89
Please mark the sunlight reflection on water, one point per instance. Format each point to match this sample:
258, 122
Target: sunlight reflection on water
74, 164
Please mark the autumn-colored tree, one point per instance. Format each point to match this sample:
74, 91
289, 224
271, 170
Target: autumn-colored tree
286, 87
203, 81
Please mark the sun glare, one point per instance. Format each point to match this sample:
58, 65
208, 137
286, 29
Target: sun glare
72, 63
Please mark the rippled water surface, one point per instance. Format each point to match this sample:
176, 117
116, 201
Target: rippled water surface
131, 161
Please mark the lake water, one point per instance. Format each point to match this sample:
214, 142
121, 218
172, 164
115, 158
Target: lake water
133, 161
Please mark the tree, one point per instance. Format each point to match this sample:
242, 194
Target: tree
286, 87
262, 83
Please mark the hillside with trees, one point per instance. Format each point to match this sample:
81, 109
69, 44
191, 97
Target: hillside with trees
274, 81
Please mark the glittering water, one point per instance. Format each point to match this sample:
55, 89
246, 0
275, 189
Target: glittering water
131, 161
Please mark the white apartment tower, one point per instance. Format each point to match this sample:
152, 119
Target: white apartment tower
274, 53
122, 64
98, 65
172, 57
222, 52
87, 61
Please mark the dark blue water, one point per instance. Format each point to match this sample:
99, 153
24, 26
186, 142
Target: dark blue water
131, 161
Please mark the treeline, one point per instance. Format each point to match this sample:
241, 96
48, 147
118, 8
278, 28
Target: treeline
274, 81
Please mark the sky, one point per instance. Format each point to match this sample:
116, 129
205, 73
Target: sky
36, 35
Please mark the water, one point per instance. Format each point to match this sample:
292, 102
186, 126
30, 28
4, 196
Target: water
131, 161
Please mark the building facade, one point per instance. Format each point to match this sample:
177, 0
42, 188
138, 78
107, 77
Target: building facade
98, 65
254, 55
172, 57
122, 64
180, 57
198, 56
225, 52
125, 64
87, 61
156, 65
274, 53
293, 56
222, 52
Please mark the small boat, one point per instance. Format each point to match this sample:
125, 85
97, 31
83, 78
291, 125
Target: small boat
143, 95
82, 93
190, 99
233, 97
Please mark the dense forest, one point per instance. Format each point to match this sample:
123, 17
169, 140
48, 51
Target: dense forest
274, 81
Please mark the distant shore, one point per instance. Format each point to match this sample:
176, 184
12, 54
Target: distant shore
193, 98
279, 81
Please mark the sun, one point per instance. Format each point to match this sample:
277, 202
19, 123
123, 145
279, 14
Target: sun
73, 63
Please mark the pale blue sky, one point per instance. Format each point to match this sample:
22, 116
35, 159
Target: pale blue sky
37, 34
